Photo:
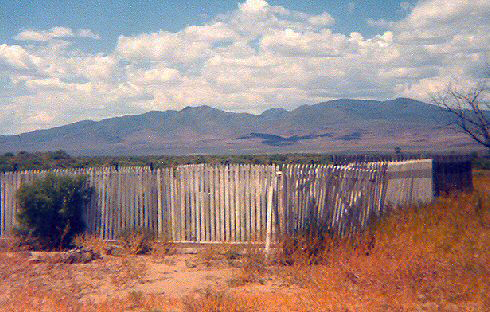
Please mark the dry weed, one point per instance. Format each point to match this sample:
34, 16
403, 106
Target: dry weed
161, 249
136, 241
255, 267
32, 299
211, 300
93, 242
129, 271
219, 255
15, 242
431, 256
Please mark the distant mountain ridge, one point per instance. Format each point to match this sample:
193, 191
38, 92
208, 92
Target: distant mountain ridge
335, 125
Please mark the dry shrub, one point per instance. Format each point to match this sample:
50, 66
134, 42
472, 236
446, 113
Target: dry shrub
14, 266
136, 301
161, 249
209, 253
254, 267
304, 249
93, 242
16, 242
31, 299
37, 286
213, 300
219, 254
137, 241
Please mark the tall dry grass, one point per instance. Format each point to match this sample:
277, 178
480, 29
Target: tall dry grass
434, 256
427, 258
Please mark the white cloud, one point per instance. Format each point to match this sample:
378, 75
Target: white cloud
87, 33
382, 23
53, 33
163, 46
254, 6
50, 83
291, 43
95, 68
42, 117
44, 35
255, 18
429, 13
407, 73
323, 19
16, 56
155, 76
218, 31
250, 59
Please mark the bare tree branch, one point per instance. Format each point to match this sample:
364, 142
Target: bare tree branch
470, 110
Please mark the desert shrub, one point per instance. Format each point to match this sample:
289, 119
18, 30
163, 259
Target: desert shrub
137, 241
20, 241
216, 253
51, 209
307, 243
93, 242
255, 267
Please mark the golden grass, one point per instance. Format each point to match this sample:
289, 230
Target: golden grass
436, 255
428, 258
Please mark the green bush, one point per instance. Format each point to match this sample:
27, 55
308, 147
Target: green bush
51, 209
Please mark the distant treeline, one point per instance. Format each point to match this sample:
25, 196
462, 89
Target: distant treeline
61, 160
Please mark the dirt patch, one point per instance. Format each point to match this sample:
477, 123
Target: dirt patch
172, 276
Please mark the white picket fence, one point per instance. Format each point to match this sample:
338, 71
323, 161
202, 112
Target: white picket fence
232, 203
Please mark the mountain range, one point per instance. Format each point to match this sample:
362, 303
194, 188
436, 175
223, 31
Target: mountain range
334, 126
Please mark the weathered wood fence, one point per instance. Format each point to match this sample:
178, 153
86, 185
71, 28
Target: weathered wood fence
235, 203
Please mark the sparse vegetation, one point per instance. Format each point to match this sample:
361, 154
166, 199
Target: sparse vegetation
129, 271
94, 243
254, 267
37, 160
136, 241
427, 258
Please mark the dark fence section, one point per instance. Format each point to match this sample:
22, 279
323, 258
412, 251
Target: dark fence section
451, 174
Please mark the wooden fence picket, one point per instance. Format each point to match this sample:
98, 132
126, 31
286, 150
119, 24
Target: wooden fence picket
236, 203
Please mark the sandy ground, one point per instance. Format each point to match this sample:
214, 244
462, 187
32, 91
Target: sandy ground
173, 276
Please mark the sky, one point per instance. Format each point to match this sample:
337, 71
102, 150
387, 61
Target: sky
66, 61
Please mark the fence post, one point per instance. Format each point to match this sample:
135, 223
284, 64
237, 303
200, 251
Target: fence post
159, 200
281, 220
272, 183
